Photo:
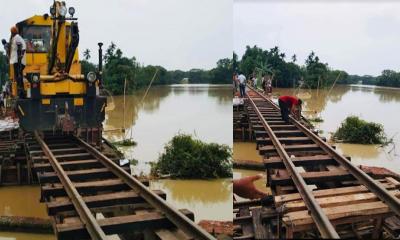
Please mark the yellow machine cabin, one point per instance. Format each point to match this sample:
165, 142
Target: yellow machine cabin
56, 95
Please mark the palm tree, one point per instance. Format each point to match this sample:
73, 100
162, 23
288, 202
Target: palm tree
294, 58
86, 54
264, 68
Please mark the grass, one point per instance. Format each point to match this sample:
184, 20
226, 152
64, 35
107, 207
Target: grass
188, 158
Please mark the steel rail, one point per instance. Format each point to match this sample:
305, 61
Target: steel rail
176, 217
324, 226
361, 176
88, 220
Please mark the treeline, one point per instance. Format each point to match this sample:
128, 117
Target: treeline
388, 78
287, 72
118, 67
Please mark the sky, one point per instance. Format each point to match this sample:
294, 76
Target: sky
360, 37
176, 34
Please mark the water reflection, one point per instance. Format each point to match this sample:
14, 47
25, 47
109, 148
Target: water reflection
182, 190
133, 104
202, 110
211, 200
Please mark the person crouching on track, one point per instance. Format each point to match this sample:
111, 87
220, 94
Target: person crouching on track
289, 104
18, 58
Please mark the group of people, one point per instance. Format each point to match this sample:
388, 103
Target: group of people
240, 81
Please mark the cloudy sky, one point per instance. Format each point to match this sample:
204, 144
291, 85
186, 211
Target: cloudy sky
360, 37
177, 34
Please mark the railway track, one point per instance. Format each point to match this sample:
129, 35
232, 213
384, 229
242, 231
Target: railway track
89, 196
314, 186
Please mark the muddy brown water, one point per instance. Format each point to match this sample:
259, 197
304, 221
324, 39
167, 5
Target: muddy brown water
377, 104
22, 201
202, 110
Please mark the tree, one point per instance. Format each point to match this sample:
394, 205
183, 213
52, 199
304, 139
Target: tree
294, 58
86, 54
87, 67
117, 69
316, 74
223, 72
389, 78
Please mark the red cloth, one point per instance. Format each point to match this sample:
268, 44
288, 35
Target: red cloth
289, 100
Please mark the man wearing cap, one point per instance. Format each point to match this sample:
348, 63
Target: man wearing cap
18, 58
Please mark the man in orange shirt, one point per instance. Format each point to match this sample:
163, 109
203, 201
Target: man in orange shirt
289, 104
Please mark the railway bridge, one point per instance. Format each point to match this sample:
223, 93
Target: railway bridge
316, 191
89, 195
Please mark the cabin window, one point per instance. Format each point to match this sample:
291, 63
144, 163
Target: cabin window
37, 38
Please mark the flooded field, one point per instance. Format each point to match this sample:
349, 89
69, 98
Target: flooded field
377, 104
202, 110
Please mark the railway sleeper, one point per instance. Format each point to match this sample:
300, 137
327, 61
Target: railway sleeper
58, 152
118, 225
282, 177
284, 140
79, 175
275, 127
66, 157
290, 148
277, 162
86, 188
281, 133
70, 165
99, 201
51, 146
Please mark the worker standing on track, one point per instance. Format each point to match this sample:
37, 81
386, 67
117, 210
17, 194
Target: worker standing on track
289, 104
242, 85
18, 58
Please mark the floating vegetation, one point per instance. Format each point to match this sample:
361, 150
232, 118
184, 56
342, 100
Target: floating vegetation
356, 130
189, 158
125, 143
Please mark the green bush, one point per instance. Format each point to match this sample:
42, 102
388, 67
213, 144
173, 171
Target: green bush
356, 130
185, 157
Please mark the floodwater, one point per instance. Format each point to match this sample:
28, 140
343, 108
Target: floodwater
376, 104
202, 110
22, 201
